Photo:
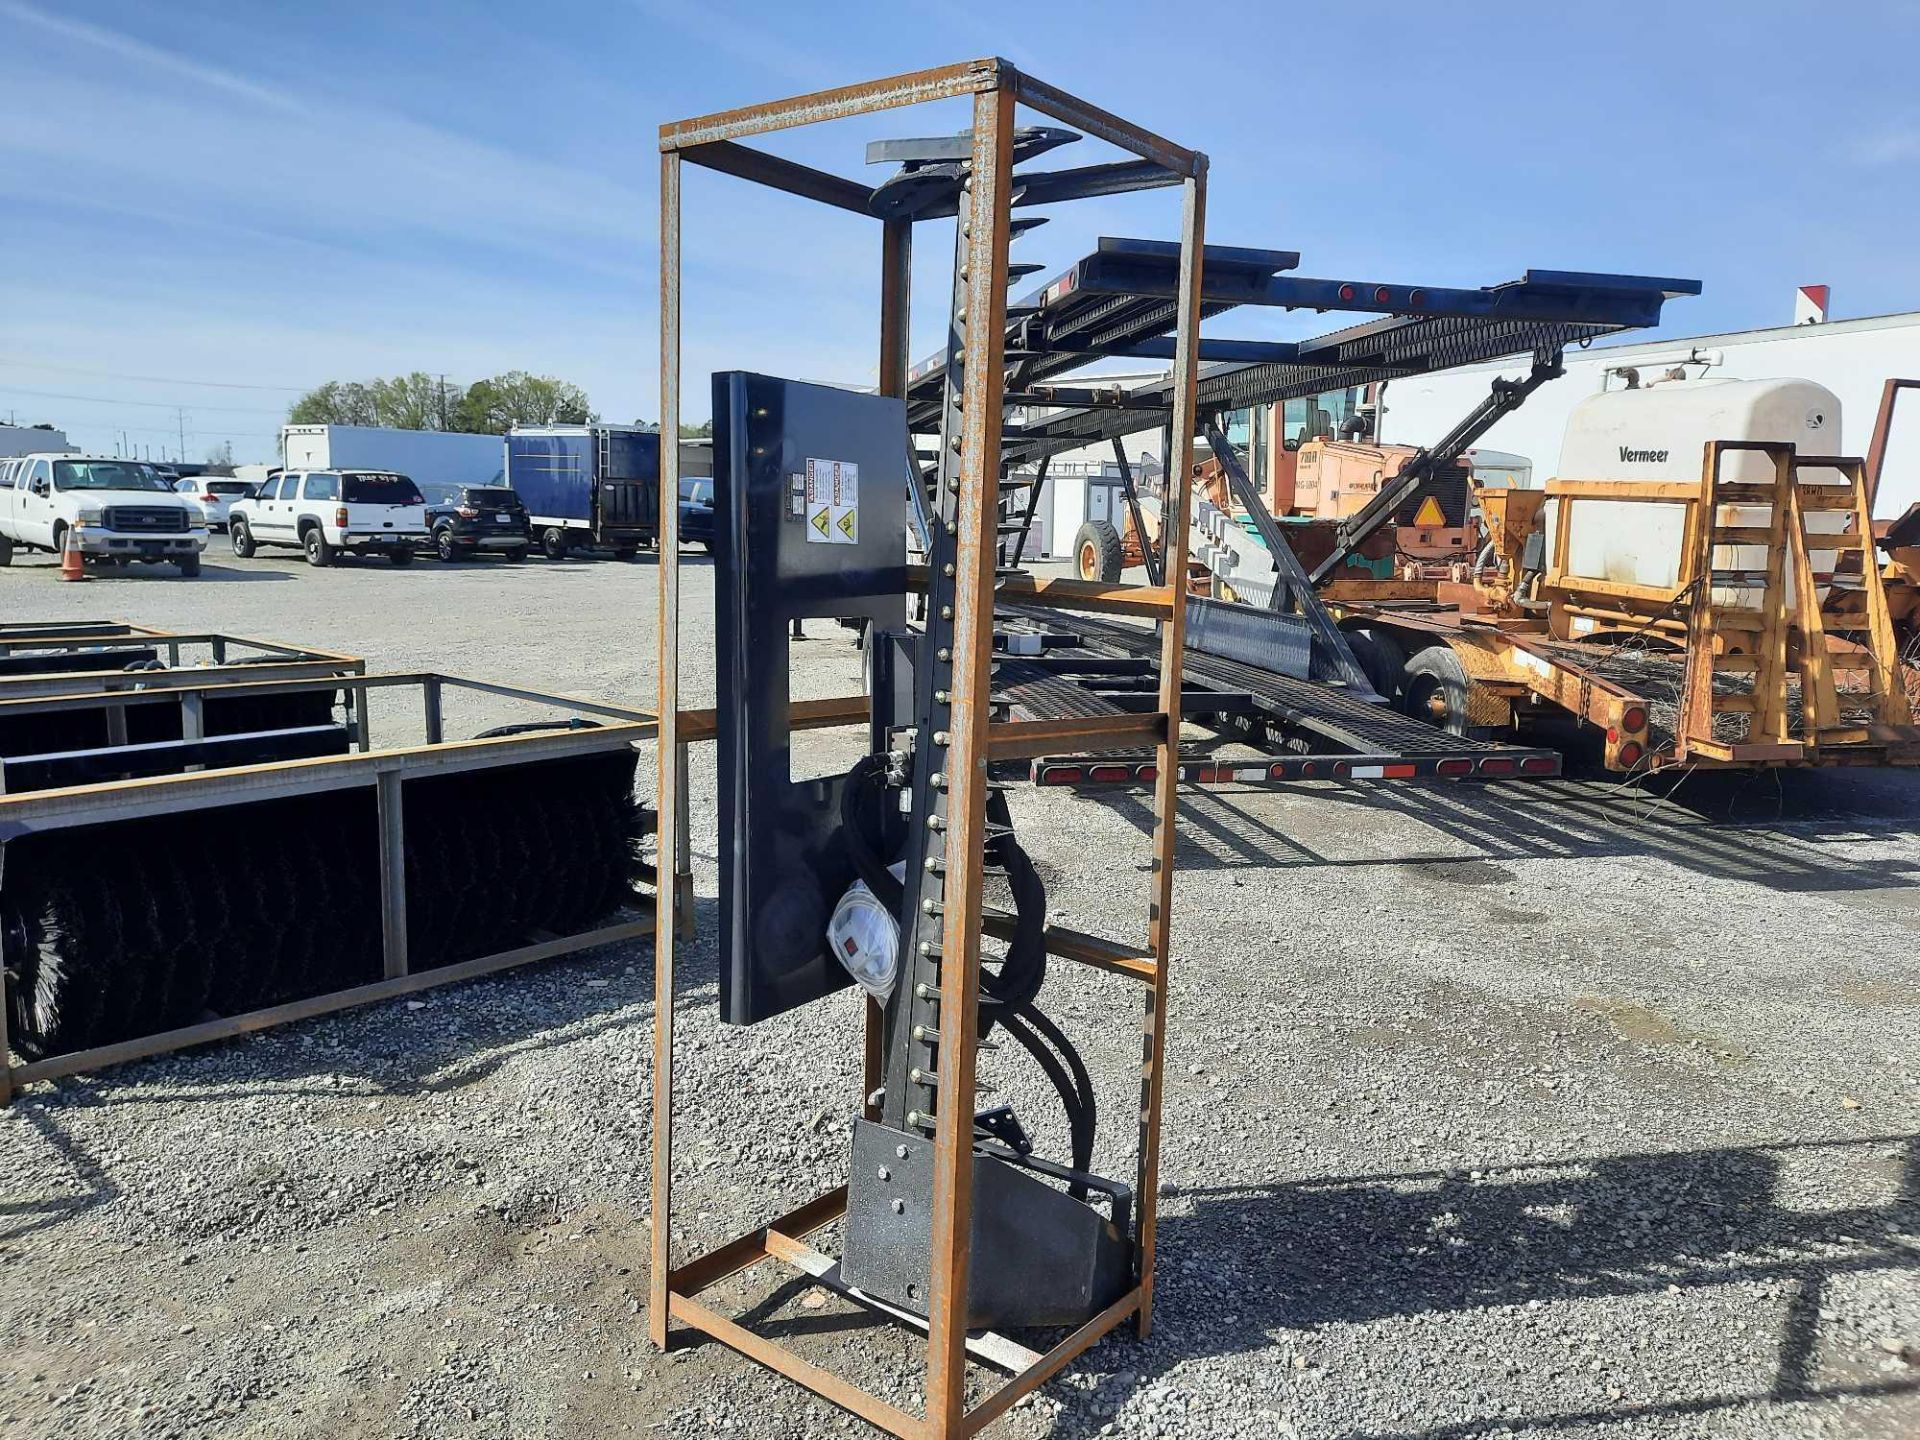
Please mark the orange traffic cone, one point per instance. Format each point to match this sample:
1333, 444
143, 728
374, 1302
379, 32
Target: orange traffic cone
72, 565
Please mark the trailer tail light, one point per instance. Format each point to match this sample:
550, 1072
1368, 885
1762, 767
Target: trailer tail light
1634, 717
1109, 773
1277, 770
1060, 775
1380, 294
1149, 772
1417, 300
1632, 753
1454, 767
340, 516
1498, 765
1206, 774
1347, 292
1539, 765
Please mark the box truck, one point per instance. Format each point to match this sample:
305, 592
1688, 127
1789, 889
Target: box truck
438, 461
598, 485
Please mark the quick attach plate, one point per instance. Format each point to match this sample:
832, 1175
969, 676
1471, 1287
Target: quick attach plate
810, 489
1038, 1256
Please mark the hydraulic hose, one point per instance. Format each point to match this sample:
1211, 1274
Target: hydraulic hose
1008, 996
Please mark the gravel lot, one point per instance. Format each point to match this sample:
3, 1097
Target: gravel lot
1542, 1112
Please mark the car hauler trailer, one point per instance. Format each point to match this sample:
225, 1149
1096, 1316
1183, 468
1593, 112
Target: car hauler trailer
1278, 682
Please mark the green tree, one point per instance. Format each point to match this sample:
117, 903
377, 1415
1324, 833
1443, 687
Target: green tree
419, 401
335, 403
495, 405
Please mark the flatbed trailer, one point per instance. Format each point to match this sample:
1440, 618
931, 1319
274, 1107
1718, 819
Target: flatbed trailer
1728, 667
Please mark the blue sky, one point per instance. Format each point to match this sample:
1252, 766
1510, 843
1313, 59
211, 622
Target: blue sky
213, 205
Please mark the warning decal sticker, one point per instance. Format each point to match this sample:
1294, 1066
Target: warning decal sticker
1429, 513
833, 502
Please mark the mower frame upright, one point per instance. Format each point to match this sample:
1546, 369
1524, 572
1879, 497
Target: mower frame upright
961, 599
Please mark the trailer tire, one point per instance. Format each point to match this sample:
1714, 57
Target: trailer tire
1097, 552
553, 543
1384, 658
1435, 689
241, 539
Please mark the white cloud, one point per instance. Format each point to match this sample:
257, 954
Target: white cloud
229, 146
1896, 146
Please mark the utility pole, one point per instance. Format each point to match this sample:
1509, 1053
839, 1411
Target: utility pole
180, 417
443, 400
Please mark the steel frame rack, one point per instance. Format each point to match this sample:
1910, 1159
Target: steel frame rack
90, 657
384, 770
960, 580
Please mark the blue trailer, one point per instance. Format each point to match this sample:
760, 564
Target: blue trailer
587, 485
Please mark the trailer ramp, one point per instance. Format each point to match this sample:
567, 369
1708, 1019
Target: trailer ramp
1284, 728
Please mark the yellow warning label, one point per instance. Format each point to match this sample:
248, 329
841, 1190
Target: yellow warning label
849, 525
1429, 513
819, 521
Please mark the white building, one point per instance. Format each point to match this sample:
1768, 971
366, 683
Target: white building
29, 440
1852, 358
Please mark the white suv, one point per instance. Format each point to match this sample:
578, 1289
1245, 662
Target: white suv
323, 512
111, 509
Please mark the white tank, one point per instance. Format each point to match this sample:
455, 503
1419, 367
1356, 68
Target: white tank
1660, 432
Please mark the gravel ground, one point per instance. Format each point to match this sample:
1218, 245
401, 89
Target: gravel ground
1526, 1111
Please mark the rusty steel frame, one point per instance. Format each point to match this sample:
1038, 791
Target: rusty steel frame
996, 89
1877, 447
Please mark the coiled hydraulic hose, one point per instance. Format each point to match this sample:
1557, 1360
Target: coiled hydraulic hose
1007, 997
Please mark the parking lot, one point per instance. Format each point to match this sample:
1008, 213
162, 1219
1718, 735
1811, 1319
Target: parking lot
1558, 1110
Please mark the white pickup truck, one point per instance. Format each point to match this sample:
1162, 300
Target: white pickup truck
115, 510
